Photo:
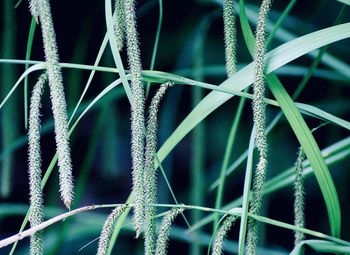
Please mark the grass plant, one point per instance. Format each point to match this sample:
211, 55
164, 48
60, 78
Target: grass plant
294, 71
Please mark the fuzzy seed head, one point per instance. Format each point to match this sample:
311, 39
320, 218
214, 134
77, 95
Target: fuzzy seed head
150, 176
299, 218
221, 235
137, 114
108, 228
163, 237
230, 36
119, 23
259, 122
36, 212
34, 9
58, 100
36, 244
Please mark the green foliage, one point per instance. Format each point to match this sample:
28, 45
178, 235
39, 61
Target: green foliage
214, 161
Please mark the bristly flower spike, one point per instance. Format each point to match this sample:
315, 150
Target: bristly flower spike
163, 237
108, 228
150, 176
259, 122
36, 212
299, 218
119, 23
137, 115
221, 235
59, 107
230, 36
34, 10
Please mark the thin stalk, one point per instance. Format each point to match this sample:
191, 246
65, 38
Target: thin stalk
156, 42
9, 120
28, 54
197, 163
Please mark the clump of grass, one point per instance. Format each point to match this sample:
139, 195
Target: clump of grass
163, 236
259, 122
230, 32
299, 218
150, 177
42, 10
221, 235
119, 23
108, 228
137, 114
36, 213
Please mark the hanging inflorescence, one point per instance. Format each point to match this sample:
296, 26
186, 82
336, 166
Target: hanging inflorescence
259, 122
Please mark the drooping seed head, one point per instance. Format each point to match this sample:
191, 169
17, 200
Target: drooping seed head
221, 235
150, 176
299, 218
259, 122
137, 114
107, 230
163, 237
58, 100
36, 211
119, 23
230, 36
34, 9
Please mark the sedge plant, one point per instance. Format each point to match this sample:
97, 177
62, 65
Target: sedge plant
259, 118
145, 159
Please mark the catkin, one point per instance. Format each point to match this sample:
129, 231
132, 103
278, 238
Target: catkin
221, 235
137, 114
150, 176
299, 218
33, 7
59, 106
107, 230
163, 237
230, 36
36, 212
119, 23
259, 122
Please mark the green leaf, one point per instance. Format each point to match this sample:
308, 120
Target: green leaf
347, 2
246, 194
320, 246
303, 134
312, 152
242, 79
